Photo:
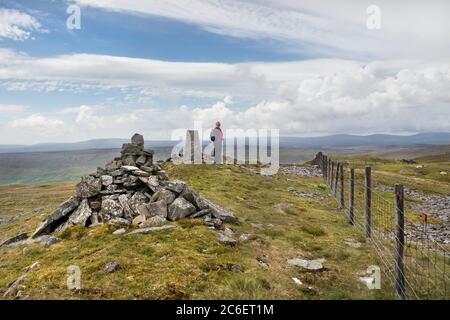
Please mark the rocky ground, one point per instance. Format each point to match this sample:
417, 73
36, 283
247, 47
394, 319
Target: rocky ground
434, 206
302, 171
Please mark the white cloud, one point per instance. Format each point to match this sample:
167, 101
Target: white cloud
299, 97
11, 108
36, 121
17, 25
410, 28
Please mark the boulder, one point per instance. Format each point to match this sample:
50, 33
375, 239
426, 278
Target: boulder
111, 208
141, 173
89, 187
119, 221
166, 195
223, 238
158, 208
111, 266
137, 139
113, 165
107, 180
138, 220
153, 221
119, 232
307, 264
180, 209
129, 160
217, 211
141, 160
127, 212
176, 186
51, 222
19, 237
130, 149
137, 199
81, 214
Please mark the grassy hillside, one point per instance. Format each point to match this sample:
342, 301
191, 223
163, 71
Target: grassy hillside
188, 262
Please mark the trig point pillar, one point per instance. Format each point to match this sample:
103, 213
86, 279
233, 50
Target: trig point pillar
192, 148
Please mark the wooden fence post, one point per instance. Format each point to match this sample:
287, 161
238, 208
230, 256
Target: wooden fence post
341, 174
338, 168
325, 167
399, 241
351, 216
332, 175
329, 172
368, 212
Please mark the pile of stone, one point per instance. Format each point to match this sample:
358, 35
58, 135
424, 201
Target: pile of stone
302, 171
132, 190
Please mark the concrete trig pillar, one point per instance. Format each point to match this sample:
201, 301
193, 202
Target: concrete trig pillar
192, 148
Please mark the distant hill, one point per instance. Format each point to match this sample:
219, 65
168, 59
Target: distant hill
332, 141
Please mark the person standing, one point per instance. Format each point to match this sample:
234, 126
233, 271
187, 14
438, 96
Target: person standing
217, 137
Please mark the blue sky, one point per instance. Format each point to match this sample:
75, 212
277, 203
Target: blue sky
155, 66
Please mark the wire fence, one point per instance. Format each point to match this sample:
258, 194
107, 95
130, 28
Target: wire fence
415, 263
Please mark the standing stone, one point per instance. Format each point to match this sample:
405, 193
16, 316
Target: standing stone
179, 209
137, 139
89, 187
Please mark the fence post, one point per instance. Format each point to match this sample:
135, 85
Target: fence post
332, 175
341, 174
329, 172
338, 168
325, 167
399, 241
368, 212
351, 216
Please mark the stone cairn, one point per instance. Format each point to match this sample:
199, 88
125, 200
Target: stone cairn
132, 190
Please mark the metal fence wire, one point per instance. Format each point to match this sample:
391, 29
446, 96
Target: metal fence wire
414, 262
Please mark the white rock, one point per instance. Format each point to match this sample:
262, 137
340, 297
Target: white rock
297, 281
307, 264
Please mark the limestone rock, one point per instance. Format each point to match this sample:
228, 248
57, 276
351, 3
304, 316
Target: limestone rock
111, 208
119, 222
176, 186
153, 221
119, 231
158, 208
179, 209
111, 266
19, 237
307, 264
226, 239
81, 214
137, 139
51, 221
106, 180
89, 187
138, 220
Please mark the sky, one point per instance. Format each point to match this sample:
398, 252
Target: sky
305, 67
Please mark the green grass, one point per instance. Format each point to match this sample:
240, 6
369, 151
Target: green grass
195, 265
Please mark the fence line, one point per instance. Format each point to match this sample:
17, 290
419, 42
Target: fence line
416, 265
